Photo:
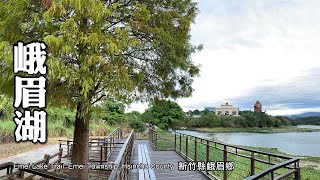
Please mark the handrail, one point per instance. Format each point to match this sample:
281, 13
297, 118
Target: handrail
124, 155
6, 165
241, 148
99, 143
38, 172
272, 168
188, 147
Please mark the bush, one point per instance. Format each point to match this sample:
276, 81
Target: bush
137, 125
163, 126
247, 119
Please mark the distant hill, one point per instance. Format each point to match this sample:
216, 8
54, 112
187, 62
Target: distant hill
304, 115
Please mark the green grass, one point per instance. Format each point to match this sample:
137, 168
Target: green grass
165, 140
56, 128
309, 173
7, 126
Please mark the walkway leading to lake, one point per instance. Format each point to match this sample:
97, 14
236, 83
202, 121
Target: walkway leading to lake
164, 158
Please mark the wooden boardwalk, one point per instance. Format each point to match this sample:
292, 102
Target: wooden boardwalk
163, 157
117, 149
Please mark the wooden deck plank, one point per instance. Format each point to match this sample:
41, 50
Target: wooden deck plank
162, 157
140, 157
114, 154
151, 172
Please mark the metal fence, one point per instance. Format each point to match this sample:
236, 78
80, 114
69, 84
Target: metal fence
161, 141
247, 164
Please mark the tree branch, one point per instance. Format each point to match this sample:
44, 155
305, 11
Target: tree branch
98, 99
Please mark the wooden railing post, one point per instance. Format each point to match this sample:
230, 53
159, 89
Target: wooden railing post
155, 141
175, 141
60, 155
187, 147
57, 170
68, 149
225, 158
207, 155
180, 143
105, 150
252, 163
297, 173
101, 153
195, 149
71, 147
47, 158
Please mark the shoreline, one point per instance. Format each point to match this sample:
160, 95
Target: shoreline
252, 130
305, 161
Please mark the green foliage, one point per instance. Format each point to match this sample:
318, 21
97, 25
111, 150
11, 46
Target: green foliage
111, 111
7, 126
247, 119
306, 121
133, 50
196, 112
6, 108
164, 114
134, 120
137, 125
61, 116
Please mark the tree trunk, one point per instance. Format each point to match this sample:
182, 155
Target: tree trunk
80, 149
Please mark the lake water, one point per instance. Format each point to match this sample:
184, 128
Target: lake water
296, 143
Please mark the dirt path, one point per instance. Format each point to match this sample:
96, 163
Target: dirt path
11, 149
30, 156
33, 155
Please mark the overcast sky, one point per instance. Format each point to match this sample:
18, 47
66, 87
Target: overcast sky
256, 50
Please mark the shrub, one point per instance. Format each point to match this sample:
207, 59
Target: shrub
137, 125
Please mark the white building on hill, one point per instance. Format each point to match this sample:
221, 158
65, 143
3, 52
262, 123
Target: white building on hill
227, 109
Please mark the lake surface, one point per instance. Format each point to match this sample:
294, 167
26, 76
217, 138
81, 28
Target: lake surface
296, 143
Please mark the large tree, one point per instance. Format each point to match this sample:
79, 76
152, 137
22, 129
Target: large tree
164, 114
129, 49
111, 111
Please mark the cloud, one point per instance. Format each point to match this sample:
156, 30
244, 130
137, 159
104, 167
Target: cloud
300, 94
266, 50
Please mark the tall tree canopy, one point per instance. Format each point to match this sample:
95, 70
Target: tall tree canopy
164, 114
130, 49
111, 111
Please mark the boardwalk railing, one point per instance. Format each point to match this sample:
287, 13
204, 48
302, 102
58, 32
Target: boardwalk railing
232, 162
50, 175
124, 158
47, 160
19, 175
161, 141
99, 148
